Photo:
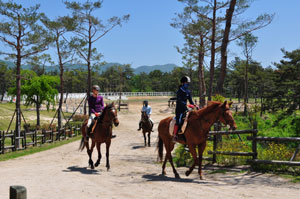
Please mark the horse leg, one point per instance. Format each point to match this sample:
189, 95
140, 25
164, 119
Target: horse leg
107, 155
201, 148
194, 154
91, 163
149, 133
169, 156
164, 166
99, 154
144, 133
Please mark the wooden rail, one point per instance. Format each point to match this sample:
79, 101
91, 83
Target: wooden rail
254, 138
32, 138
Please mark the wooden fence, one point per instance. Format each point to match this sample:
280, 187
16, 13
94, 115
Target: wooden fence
34, 138
216, 134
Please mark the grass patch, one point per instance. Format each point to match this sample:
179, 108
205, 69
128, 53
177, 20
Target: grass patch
292, 178
32, 150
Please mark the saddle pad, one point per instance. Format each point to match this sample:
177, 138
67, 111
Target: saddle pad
173, 122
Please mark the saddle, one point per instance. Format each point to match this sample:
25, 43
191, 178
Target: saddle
183, 127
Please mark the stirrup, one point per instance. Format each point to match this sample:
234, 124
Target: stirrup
180, 132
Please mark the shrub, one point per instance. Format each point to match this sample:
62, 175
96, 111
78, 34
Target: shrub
80, 118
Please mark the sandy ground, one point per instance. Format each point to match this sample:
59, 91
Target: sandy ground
63, 173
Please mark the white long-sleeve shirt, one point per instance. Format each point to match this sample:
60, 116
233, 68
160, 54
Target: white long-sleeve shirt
147, 109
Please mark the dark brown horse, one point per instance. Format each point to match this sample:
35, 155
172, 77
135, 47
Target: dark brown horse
102, 134
146, 127
199, 123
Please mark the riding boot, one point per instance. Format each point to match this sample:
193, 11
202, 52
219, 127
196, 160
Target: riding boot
140, 126
174, 138
152, 126
89, 130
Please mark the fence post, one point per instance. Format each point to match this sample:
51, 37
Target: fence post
35, 137
17, 192
214, 160
254, 143
25, 140
1, 140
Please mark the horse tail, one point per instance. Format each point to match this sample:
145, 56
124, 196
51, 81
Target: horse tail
160, 147
82, 145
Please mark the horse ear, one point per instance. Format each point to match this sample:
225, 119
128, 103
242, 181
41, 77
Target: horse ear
230, 103
224, 104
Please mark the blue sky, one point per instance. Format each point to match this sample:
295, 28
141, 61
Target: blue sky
148, 38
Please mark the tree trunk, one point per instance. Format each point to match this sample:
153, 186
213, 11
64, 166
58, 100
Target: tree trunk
212, 52
202, 87
18, 86
89, 66
229, 13
246, 86
61, 75
37, 105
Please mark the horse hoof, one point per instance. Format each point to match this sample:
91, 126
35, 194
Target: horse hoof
177, 176
187, 173
163, 173
108, 168
92, 167
202, 178
97, 164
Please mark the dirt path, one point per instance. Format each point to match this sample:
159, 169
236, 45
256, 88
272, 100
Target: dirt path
62, 172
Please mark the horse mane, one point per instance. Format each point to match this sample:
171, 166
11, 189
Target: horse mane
100, 119
209, 108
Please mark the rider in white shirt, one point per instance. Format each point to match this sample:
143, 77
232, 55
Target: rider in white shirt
146, 108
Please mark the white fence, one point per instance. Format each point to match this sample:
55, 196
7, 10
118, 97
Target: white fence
109, 95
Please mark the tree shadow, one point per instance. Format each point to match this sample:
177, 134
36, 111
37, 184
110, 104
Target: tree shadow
83, 170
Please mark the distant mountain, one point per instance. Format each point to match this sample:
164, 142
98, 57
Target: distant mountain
148, 69
138, 70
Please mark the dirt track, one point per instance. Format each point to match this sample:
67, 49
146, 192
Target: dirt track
62, 172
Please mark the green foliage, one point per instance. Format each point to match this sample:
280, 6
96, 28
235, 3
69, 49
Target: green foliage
40, 89
233, 145
218, 98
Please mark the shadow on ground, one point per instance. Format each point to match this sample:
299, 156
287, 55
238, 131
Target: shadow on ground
83, 170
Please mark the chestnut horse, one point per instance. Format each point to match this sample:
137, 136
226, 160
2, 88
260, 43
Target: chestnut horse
199, 123
102, 133
146, 127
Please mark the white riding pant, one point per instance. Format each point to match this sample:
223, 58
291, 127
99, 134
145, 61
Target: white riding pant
91, 118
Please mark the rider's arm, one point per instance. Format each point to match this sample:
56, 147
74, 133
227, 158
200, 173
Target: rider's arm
150, 111
190, 98
102, 103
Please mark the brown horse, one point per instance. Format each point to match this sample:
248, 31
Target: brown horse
146, 127
199, 123
102, 133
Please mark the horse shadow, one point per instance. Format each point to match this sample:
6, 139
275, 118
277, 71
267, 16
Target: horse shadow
138, 147
82, 170
163, 178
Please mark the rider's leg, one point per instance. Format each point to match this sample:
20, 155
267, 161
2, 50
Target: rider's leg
152, 124
89, 124
177, 125
140, 125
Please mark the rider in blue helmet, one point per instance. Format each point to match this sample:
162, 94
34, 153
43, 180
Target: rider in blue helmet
182, 95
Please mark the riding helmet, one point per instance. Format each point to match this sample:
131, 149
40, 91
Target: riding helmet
96, 87
185, 79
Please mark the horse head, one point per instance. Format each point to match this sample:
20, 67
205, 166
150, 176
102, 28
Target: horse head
226, 116
144, 116
113, 114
